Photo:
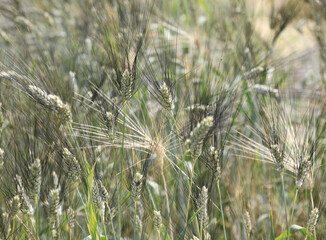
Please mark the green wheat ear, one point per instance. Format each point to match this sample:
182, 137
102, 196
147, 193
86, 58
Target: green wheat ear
166, 97
126, 85
71, 219
195, 142
53, 199
157, 221
312, 221
202, 206
35, 179
71, 165
15, 206
247, 223
51, 101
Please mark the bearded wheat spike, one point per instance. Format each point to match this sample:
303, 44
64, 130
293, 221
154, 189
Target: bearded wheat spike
9, 75
202, 205
39, 94
35, 170
103, 192
166, 97
51, 101
126, 85
157, 220
71, 165
195, 142
313, 219
302, 170
15, 206
53, 208
71, 217
253, 73
136, 187
26, 204
109, 119
215, 163
96, 196
62, 108
247, 223
278, 157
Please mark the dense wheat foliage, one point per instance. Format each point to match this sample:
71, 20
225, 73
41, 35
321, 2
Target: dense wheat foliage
148, 119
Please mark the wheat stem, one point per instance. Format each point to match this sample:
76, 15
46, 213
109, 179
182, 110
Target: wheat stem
293, 205
284, 202
121, 169
221, 206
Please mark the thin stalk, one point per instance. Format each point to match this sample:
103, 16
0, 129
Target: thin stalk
313, 206
167, 200
221, 206
121, 169
112, 225
37, 221
28, 231
136, 234
284, 203
200, 229
13, 228
295, 200
312, 200
190, 191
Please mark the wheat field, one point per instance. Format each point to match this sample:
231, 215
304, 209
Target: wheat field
169, 120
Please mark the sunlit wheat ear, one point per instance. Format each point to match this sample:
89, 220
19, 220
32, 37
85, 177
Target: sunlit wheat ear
53, 200
202, 206
110, 123
1, 158
136, 186
247, 223
304, 166
166, 97
96, 196
52, 102
103, 192
71, 165
278, 157
26, 204
215, 163
126, 85
256, 148
266, 90
312, 221
71, 218
254, 72
9, 75
36, 178
195, 141
136, 189
157, 221
14, 206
